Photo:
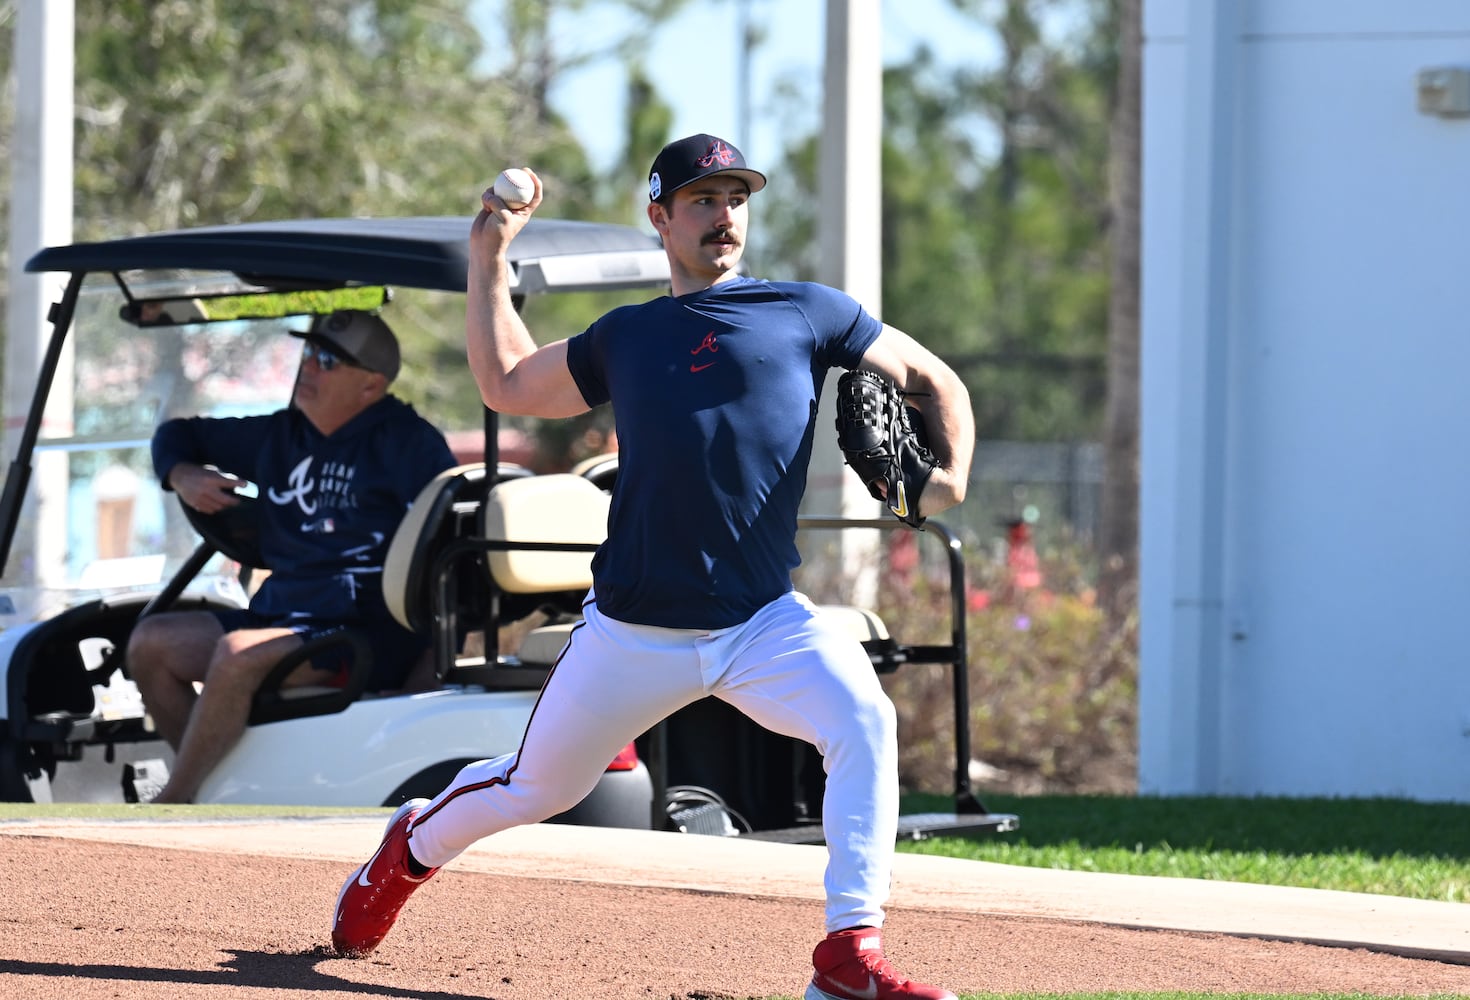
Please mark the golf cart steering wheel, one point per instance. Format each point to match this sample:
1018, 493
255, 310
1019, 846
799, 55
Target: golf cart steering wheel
234, 531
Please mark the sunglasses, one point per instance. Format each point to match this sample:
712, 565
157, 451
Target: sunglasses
325, 358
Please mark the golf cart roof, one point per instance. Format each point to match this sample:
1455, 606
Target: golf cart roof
416, 252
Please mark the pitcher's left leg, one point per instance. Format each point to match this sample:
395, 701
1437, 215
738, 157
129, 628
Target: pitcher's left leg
796, 674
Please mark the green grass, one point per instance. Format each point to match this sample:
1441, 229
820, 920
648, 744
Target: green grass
1389, 847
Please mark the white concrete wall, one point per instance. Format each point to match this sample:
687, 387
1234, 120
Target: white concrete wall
1306, 402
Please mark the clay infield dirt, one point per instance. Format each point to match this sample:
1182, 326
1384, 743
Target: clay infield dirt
236, 910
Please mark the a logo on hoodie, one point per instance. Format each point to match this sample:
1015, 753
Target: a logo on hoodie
301, 488
331, 489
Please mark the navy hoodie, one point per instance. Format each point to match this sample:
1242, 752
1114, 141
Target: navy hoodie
329, 504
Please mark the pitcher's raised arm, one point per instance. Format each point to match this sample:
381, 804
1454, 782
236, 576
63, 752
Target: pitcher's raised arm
514, 375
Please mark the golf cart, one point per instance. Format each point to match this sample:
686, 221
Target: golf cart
192, 322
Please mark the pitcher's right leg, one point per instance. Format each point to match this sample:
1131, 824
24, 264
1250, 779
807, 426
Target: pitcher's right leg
613, 682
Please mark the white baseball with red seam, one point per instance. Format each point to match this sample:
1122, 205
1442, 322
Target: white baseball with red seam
515, 187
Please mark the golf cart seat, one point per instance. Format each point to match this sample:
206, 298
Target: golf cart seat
600, 470
533, 536
434, 578
466, 555
562, 509
442, 512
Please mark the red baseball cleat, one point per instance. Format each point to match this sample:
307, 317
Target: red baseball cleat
850, 966
370, 900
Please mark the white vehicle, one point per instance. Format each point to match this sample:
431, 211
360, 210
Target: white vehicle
193, 322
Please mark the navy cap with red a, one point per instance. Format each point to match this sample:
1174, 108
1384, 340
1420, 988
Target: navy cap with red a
686, 160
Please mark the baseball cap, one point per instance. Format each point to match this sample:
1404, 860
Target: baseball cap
686, 160
360, 337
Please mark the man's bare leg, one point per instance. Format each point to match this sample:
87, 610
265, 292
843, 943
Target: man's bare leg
167, 654
239, 664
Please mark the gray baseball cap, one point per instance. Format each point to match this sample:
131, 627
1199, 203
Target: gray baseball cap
362, 338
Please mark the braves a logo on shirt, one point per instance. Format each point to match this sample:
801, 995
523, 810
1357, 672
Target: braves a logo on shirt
707, 344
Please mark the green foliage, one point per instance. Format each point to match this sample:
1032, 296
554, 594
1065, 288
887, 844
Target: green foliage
206, 112
994, 207
930, 253
1053, 683
994, 219
209, 112
1054, 692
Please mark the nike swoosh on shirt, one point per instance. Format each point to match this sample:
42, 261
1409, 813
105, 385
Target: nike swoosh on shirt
700, 368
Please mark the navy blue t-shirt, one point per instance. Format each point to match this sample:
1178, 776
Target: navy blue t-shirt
715, 401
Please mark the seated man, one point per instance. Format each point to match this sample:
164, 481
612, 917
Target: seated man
336, 470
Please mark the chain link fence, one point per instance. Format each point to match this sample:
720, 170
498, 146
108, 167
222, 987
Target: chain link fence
1056, 487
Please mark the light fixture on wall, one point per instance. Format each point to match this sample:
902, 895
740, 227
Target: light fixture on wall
1445, 91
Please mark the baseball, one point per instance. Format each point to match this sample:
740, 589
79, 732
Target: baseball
515, 187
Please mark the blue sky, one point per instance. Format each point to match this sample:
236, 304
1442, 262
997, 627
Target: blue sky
694, 61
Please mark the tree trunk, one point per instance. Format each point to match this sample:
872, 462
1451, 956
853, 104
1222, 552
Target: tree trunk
1118, 542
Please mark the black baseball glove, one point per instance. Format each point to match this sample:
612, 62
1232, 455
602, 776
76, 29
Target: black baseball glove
885, 441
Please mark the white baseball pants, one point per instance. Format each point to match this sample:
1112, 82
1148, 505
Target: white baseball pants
786, 668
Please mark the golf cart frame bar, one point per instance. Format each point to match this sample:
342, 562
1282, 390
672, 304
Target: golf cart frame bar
18, 479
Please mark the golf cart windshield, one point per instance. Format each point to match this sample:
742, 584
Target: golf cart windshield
97, 519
